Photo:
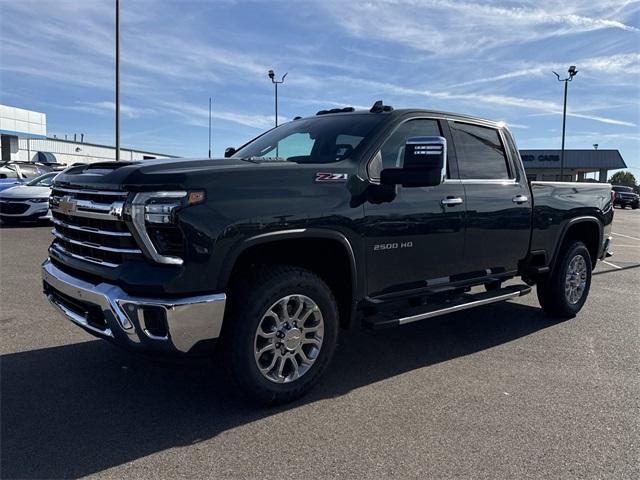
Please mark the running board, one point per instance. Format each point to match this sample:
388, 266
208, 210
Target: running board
465, 302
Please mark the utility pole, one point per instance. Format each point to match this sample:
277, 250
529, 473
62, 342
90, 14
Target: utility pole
572, 73
209, 127
275, 82
117, 80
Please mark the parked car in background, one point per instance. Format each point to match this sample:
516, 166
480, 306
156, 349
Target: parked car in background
28, 201
625, 196
17, 173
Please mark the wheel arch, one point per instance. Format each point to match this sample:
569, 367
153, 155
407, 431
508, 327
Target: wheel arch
327, 253
587, 229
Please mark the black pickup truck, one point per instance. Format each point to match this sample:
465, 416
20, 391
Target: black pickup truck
348, 218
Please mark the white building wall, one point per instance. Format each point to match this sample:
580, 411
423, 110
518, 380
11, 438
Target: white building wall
69, 152
13, 119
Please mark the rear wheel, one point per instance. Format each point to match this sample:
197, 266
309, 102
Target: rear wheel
564, 292
282, 332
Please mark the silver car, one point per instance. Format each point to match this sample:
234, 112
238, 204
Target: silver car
29, 201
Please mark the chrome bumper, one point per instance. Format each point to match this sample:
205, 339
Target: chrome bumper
152, 324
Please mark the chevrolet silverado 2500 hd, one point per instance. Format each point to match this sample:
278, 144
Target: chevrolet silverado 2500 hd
377, 218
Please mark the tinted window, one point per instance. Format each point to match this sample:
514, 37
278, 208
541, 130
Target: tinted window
313, 140
393, 149
480, 152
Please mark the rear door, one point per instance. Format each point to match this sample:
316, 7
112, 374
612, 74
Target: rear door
414, 242
497, 198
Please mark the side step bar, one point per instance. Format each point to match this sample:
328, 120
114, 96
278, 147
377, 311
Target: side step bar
464, 302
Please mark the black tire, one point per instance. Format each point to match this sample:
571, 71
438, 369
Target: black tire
551, 290
634, 207
253, 295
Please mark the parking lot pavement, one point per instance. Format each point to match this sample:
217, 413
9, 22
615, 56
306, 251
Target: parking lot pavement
497, 392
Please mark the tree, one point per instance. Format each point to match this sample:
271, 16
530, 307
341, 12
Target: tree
623, 178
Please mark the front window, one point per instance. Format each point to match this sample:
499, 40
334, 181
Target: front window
43, 180
313, 140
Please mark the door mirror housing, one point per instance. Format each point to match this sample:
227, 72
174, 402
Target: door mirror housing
229, 151
424, 164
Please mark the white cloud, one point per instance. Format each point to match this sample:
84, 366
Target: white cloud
469, 26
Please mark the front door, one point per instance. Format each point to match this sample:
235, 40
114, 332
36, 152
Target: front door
414, 242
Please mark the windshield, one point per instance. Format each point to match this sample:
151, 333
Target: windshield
43, 180
312, 140
8, 171
617, 188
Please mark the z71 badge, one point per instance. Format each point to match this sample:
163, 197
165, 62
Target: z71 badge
331, 177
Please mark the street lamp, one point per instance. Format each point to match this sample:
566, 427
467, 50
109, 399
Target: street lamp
275, 82
572, 73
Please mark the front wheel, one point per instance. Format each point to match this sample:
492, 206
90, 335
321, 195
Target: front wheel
282, 333
564, 292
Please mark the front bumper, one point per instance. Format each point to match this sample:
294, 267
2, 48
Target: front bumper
170, 325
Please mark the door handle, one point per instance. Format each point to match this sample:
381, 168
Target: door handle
520, 199
451, 201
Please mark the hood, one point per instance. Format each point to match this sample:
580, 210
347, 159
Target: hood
7, 183
24, 191
154, 174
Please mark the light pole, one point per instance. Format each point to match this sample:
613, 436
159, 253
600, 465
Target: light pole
117, 80
572, 73
209, 127
275, 82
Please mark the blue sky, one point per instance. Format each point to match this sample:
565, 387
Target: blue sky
492, 59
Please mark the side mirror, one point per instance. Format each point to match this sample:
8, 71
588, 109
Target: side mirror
229, 151
423, 166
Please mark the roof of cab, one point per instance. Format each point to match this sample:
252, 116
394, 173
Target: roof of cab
380, 109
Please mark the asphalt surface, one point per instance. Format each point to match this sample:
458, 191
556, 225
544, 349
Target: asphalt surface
496, 392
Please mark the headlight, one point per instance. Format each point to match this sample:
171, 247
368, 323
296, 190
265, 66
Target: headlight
152, 210
39, 200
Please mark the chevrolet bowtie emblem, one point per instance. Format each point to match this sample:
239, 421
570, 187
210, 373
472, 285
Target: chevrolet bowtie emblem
67, 205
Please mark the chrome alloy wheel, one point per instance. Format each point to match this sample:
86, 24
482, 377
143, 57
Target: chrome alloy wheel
289, 338
576, 279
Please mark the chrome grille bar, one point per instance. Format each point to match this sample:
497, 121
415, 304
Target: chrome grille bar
91, 192
64, 251
87, 208
90, 229
96, 246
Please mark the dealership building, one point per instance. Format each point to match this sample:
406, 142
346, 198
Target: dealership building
23, 137
545, 164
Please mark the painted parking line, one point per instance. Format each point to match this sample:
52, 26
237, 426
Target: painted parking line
612, 265
630, 246
625, 236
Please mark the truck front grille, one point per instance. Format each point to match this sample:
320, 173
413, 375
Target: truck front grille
88, 226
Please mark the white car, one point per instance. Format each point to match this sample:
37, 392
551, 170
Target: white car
29, 201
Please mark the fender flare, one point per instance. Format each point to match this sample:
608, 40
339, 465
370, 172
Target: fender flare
568, 225
356, 269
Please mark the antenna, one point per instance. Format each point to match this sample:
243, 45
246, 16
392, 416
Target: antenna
209, 127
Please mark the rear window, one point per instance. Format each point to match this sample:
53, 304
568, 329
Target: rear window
479, 151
